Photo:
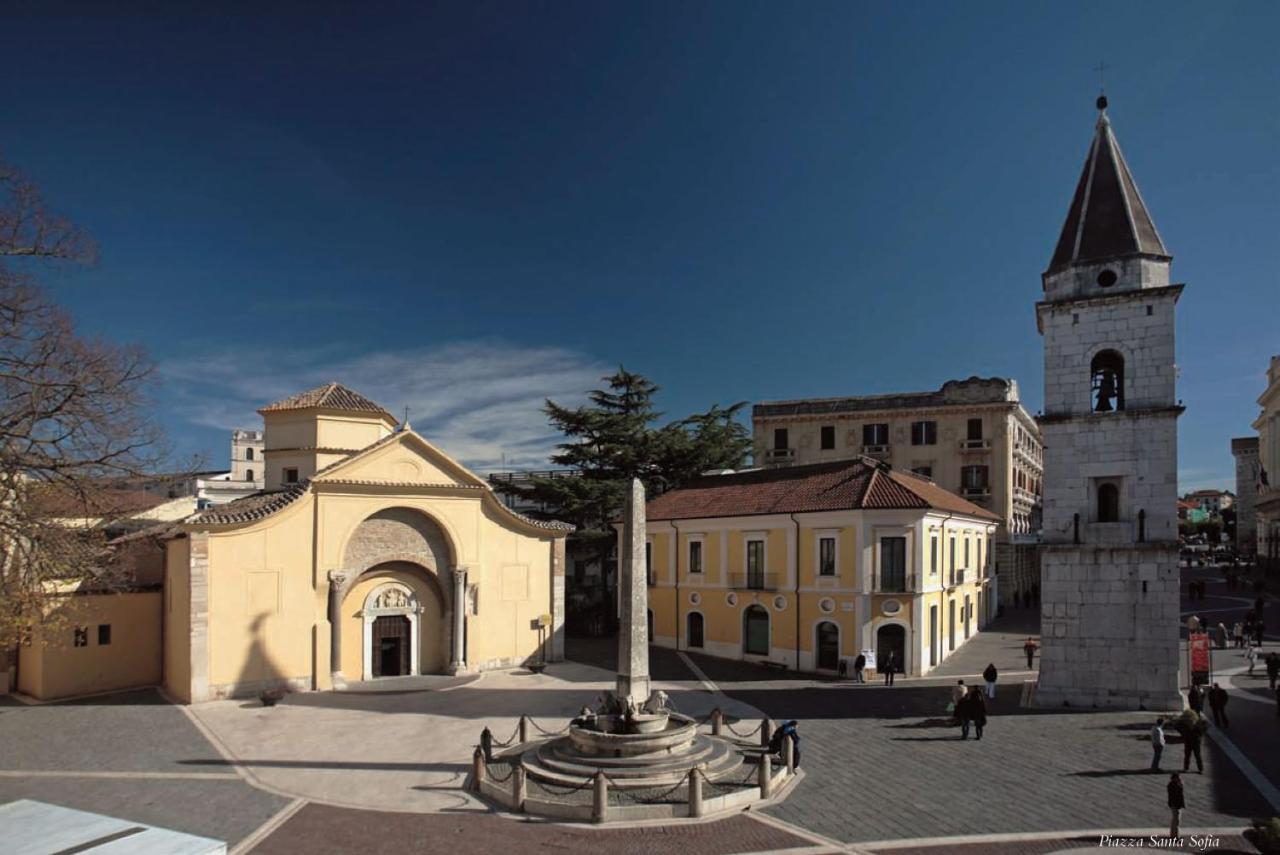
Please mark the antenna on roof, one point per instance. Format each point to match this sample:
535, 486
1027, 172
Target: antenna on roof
405, 424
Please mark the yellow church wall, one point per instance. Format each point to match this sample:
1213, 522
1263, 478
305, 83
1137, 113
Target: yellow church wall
293, 429
262, 606
513, 571
395, 463
177, 622
433, 634
53, 667
351, 433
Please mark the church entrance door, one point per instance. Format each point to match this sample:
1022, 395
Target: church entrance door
391, 646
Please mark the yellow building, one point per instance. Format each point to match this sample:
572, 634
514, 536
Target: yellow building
370, 554
1267, 498
806, 565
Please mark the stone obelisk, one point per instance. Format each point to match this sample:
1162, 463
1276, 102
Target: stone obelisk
633, 591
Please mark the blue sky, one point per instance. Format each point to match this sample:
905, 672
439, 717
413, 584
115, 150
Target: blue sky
466, 207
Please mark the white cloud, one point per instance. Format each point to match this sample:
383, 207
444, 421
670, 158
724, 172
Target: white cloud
478, 401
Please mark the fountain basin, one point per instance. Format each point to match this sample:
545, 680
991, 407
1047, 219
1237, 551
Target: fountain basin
663, 733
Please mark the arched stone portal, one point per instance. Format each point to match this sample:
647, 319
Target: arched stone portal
405, 551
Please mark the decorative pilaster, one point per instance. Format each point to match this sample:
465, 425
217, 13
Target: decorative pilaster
337, 590
557, 599
458, 659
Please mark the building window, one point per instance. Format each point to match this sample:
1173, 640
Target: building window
648, 563
1108, 503
966, 550
780, 438
104, 633
975, 428
826, 556
81, 636
291, 475
877, 434
248, 474
755, 564
248, 454
933, 554
828, 437
1107, 370
974, 478
924, 433
695, 556
926, 471
893, 564
953, 559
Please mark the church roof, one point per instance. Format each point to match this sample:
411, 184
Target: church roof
856, 484
330, 396
1107, 217
252, 508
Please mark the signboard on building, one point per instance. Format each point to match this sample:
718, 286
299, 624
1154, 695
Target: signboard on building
1199, 651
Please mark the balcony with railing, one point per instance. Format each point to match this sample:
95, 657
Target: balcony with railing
877, 450
980, 493
754, 581
779, 455
956, 577
975, 445
893, 583
1024, 496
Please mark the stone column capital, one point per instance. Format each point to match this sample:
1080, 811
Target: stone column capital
339, 578
459, 573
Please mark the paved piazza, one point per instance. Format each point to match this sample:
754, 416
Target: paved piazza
380, 768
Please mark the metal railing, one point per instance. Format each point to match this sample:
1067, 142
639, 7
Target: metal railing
780, 454
975, 445
876, 450
893, 583
754, 581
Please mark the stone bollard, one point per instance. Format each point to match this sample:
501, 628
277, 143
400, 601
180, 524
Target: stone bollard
600, 799
789, 754
519, 789
486, 744
717, 722
766, 732
477, 768
695, 792
524, 729
766, 777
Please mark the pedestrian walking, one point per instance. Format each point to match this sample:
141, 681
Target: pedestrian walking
1157, 744
1177, 801
1222, 636
889, 667
1252, 656
977, 711
1218, 703
1195, 699
1237, 634
990, 676
1192, 735
964, 707
1030, 649
859, 665
1273, 668
958, 691
1258, 629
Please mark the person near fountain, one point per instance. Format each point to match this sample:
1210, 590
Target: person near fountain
787, 731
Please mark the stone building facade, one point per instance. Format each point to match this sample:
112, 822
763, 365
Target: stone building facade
1110, 600
247, 465
972, 437
1245, 450
1267, 503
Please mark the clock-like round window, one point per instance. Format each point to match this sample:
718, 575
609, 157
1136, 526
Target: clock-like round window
695, 597
731, 599
1106, 278
891, 607
827, 605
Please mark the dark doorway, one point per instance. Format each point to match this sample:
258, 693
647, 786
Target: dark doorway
828, 646
934, 652
755, 631
391, 646
695, 629
891, 637
951, 624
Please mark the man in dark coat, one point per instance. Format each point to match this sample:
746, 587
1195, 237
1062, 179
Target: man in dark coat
1030, 649
1195, 699
787, 731
889, 666
858, 665
964, 712
1273, 668
977, 711
990, 676
1218, 703
1191, 739
1177, 802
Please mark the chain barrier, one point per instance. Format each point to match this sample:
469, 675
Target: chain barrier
546, 732
495, 779
559, 791
515, 734
743, 735
662, 797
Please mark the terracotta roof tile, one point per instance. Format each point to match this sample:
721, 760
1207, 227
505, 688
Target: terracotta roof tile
251, 508
854, 484
332, 396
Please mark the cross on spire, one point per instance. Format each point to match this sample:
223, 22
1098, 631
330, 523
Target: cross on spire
1101, 68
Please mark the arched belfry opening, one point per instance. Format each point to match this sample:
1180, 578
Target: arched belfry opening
1107, 372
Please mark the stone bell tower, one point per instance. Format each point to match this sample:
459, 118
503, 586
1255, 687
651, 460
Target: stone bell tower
1109, 597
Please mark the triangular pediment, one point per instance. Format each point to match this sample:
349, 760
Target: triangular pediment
403, 457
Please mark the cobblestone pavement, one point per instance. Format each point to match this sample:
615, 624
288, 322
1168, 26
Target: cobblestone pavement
323, 829
125, 755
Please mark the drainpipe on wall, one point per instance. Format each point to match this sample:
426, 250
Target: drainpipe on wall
797, 603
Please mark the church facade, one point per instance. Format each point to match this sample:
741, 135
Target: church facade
1110, 615
369, 554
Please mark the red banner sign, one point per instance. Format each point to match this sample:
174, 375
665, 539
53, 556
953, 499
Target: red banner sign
1198, 648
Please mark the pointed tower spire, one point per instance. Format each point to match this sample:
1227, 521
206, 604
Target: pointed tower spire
1107, 218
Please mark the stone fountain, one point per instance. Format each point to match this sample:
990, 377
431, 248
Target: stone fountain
631, 734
